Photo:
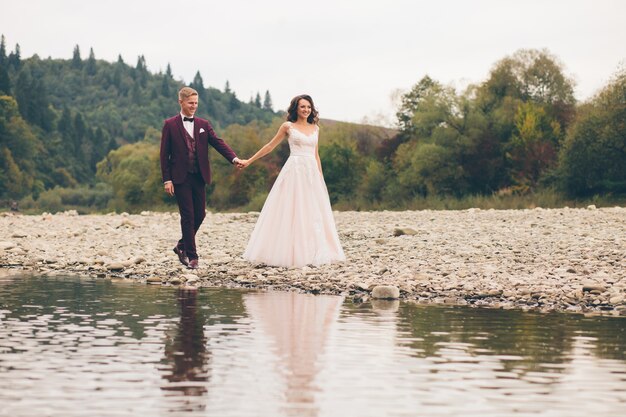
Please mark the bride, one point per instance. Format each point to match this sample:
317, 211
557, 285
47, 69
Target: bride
296, 225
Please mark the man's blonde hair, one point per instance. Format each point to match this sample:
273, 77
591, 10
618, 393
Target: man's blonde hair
186, 92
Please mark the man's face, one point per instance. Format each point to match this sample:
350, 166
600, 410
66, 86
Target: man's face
189, 105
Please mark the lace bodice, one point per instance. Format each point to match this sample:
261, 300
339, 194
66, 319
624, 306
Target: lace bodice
301, 144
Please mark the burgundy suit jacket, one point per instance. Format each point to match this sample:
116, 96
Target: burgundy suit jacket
174, 158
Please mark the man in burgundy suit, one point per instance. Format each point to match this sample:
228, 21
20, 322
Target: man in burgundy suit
185, 168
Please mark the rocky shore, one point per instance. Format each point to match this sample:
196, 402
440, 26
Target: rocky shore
541, 259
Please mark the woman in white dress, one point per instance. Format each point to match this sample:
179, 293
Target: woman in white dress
296, 226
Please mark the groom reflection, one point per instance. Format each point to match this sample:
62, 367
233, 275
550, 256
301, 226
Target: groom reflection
185, 351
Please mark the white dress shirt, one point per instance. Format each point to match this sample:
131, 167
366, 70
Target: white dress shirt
187, 124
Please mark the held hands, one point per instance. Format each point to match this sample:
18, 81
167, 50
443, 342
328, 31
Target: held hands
237, 163
241, 163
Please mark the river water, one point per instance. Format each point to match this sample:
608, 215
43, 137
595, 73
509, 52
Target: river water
83, 347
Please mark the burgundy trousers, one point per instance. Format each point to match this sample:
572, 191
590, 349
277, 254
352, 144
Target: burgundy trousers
191, 199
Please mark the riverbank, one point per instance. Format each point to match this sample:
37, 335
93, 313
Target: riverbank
542, 259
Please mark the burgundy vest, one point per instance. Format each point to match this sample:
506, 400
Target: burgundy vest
192, 153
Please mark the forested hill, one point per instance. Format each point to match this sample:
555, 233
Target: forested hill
84, 133
67, 114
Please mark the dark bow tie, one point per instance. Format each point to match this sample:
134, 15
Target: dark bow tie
187, 119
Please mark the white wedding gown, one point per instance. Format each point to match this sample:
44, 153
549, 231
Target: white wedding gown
296, 226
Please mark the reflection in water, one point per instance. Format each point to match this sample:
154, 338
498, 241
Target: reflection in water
298, 326
185, 351
74, 347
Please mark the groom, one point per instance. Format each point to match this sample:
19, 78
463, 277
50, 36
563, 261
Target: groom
185, 169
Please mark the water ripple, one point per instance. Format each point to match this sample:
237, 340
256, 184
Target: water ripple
75, 347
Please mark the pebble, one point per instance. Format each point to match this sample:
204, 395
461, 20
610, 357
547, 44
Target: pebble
593, 287
404, 231
7, 245
540, 259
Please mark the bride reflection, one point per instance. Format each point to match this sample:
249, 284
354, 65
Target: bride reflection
298, 326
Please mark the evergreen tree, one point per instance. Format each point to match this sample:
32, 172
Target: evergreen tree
32, 98
198, 85
257, 100
14, 59
227, 88
80, 133
142, 71
135, 93
165, 86
267, 102
99, 147
77, 62
117, 77
5, 82
66, 125
233, 103
23, 89
90, 67
166, 89
3, 52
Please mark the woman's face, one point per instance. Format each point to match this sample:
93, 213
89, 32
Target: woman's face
304, 109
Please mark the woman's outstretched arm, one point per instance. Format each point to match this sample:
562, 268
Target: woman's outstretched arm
269, 147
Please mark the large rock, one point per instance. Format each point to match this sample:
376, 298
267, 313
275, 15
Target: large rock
386, 292
115, 266
190, 278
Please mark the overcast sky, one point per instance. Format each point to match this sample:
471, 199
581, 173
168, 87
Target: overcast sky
352, 56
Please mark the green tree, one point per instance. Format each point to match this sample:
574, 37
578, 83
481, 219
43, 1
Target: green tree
534, 145
133, 173
165, 86
3, 52
90, 66
65, 126
198, 85
267, 101
342, 170
14, 60
530, 75
5, 81
141, 71
593, 157
375, 180
77, 62
426, 90
428, 169
80, 134
31, 95
19, 147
